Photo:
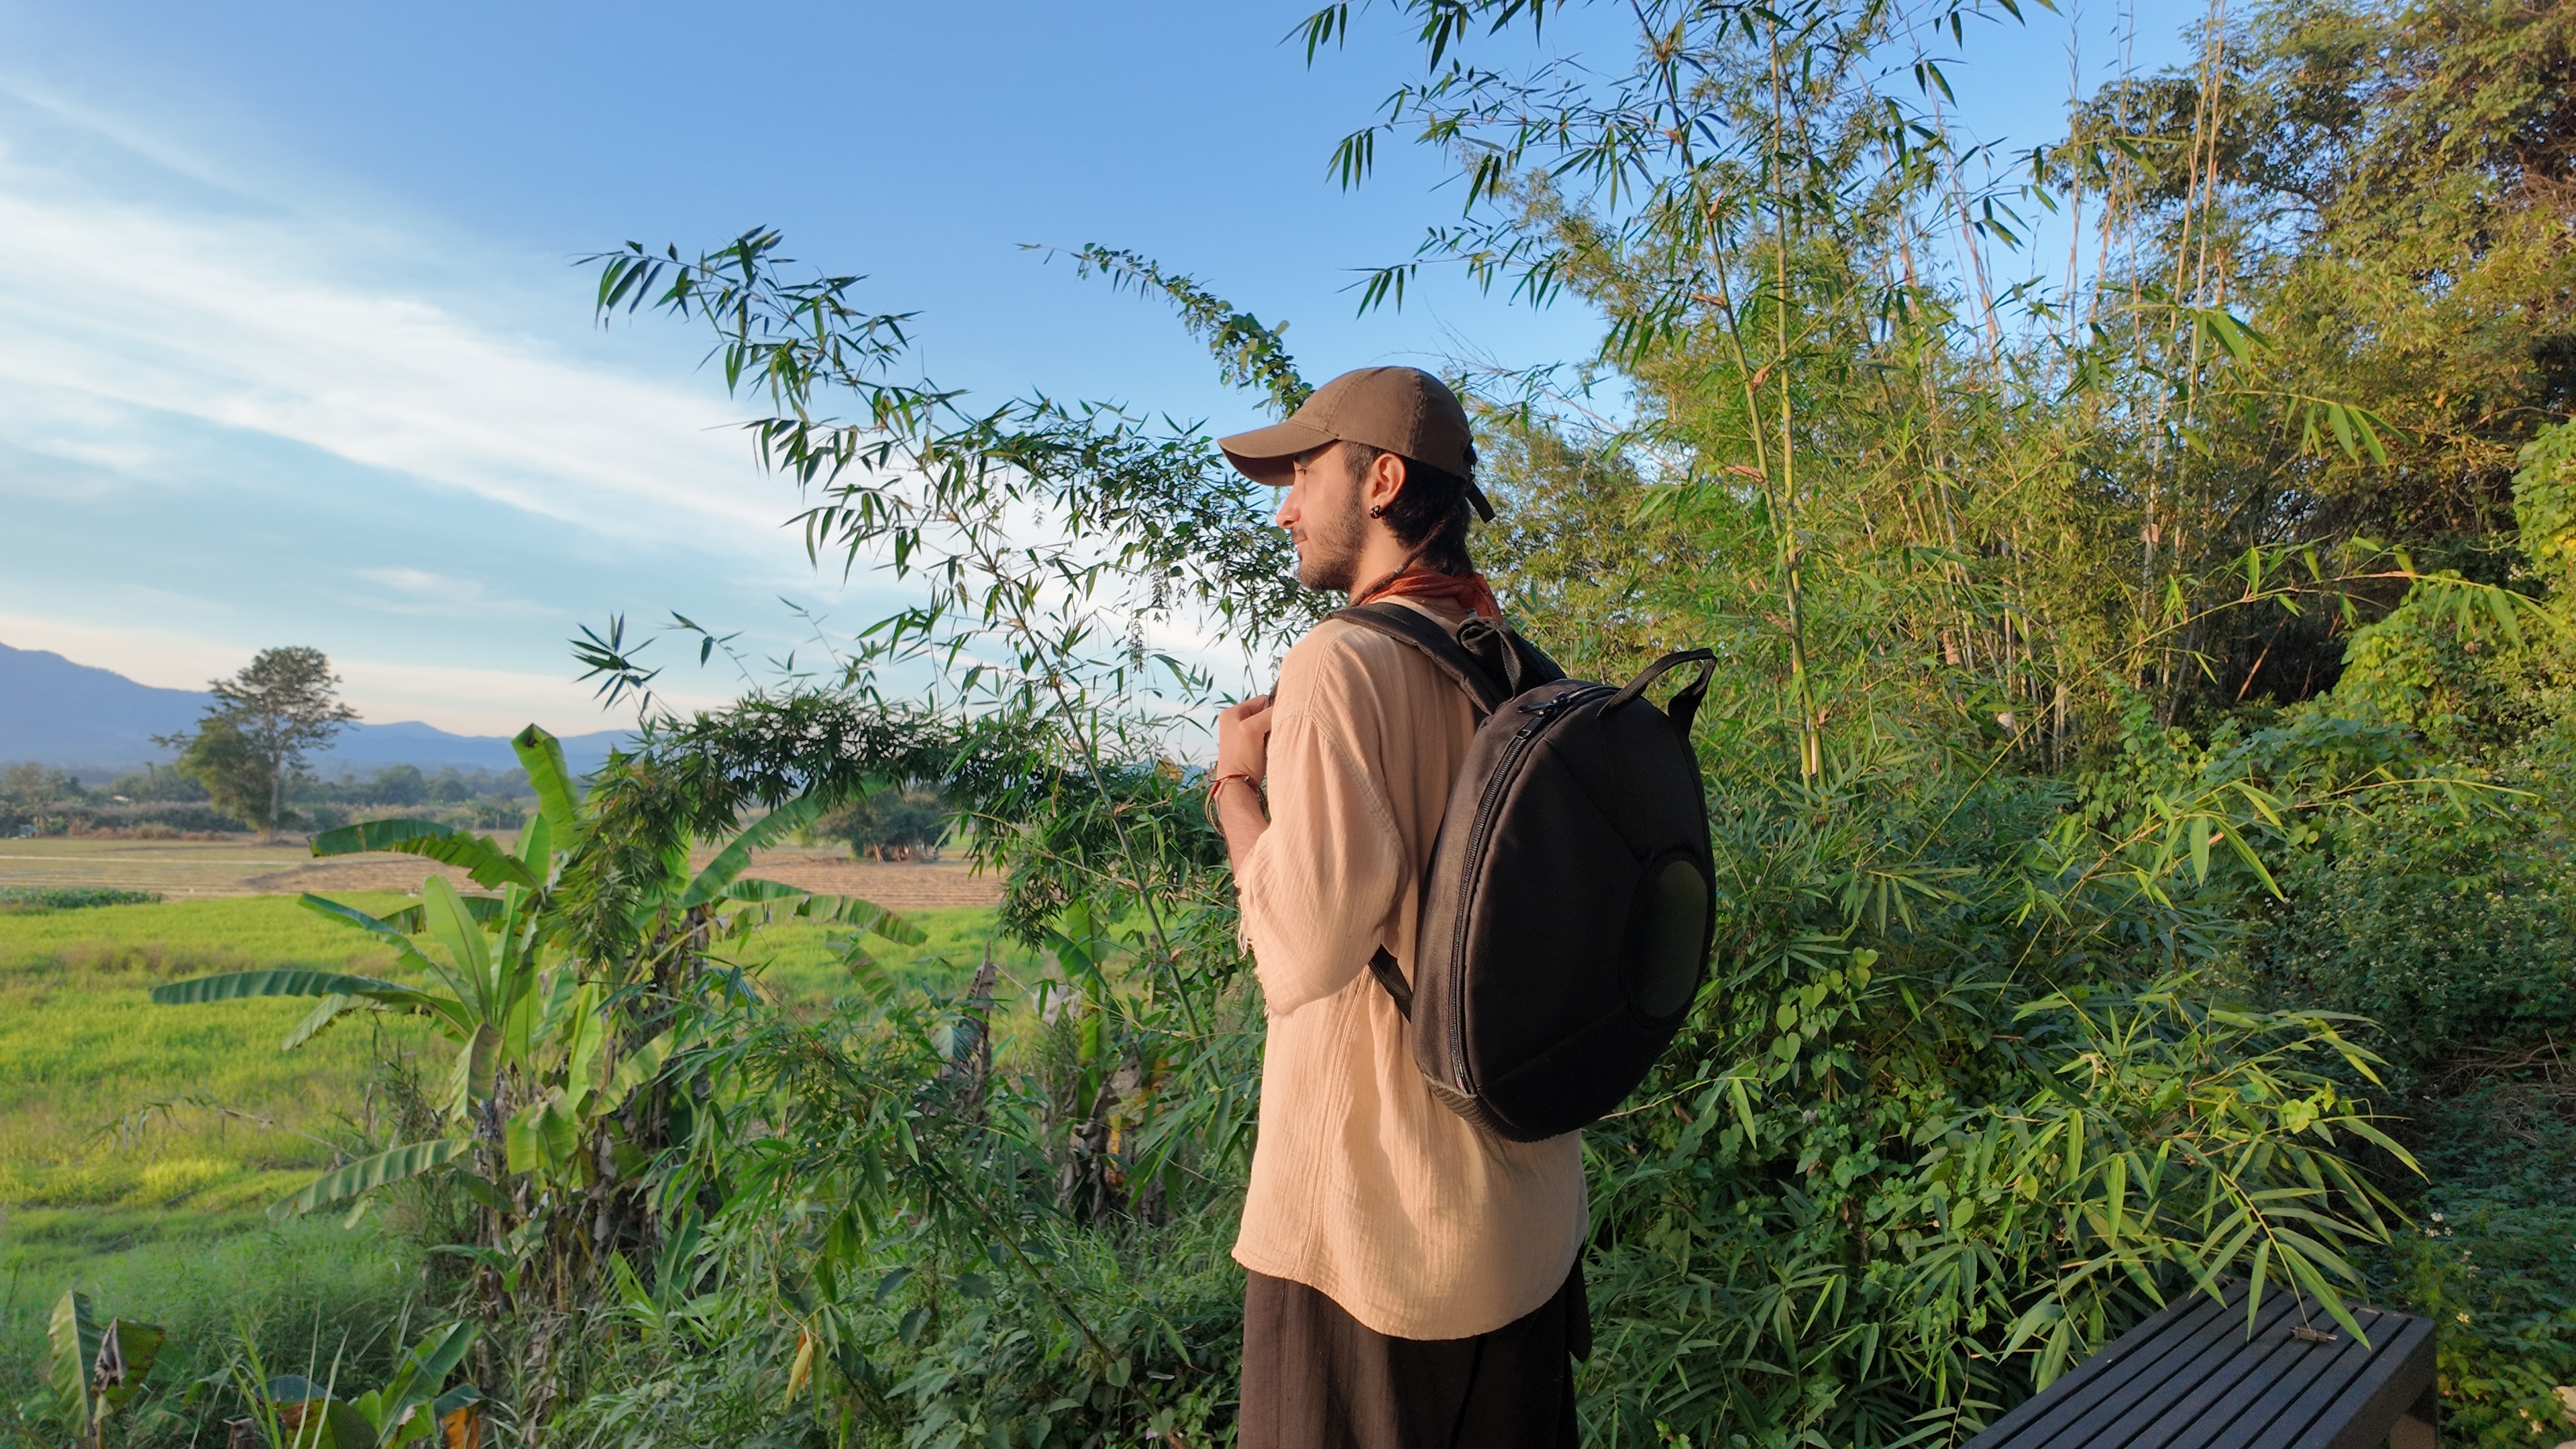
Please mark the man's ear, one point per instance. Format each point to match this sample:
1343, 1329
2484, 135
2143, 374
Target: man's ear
1385, 481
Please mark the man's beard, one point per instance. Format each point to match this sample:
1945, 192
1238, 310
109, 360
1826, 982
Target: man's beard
1328, 557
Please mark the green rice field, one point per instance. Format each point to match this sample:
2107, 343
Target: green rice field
140, 1145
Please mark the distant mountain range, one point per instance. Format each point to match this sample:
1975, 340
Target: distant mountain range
89, 720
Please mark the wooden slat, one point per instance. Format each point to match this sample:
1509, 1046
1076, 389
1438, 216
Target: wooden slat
2194, 1377
2045, 1418
2228, 1361
2346, 1360
2399, 1372
2202, 1345
2258, 1404
2075, 1380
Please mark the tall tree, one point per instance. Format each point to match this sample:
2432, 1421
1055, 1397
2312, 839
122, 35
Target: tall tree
283, 705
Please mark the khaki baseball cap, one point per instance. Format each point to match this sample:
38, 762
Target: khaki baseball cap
1402, 410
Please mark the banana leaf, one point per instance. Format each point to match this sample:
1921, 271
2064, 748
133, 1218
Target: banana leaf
479, 856
285, 981
73, 1334
367, 1174
730, 862
543, 758
412, 920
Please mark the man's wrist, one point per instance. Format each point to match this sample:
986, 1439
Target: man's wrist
1218, 782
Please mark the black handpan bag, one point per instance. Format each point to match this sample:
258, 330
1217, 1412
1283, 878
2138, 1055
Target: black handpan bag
1567, 913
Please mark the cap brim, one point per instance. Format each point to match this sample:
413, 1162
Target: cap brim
1269, 455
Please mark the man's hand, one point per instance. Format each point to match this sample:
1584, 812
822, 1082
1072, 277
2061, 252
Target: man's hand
1243, 738
1242, 748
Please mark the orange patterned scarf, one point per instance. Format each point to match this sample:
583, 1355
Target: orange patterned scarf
1423, 582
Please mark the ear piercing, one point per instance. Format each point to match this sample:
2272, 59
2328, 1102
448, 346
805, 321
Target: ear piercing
1377, 510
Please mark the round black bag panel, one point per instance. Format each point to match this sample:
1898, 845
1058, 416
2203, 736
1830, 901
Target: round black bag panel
1667, 935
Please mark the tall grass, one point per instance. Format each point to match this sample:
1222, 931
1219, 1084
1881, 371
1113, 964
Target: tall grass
84, 1053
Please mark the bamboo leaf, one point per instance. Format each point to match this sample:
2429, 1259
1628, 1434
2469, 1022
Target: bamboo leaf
802, 1369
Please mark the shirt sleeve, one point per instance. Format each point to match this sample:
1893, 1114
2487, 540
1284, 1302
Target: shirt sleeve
1320, 885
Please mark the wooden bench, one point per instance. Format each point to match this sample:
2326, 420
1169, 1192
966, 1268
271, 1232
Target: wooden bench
2192, 1378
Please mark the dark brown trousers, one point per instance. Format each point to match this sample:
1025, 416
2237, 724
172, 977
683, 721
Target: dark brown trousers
1315, 1378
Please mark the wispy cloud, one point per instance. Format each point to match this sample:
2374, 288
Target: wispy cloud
180, 342
248, 318
443, 596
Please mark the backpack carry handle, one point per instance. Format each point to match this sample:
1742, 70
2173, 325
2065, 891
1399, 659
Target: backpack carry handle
1685, 701
1488, 662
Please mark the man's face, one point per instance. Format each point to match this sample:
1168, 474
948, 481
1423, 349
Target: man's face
1323, 517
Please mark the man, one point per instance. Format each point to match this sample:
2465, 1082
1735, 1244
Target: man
1413, 1280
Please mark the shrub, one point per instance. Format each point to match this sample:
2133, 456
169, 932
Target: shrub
2451, 933
890, 824
2489, 1258
71, 898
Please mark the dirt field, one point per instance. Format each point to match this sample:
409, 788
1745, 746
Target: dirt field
200, 870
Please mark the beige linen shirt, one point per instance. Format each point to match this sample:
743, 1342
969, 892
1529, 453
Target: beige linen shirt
1364, 1187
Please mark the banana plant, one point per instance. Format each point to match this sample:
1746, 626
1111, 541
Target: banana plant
96, 1368
408, 1408
541, 1065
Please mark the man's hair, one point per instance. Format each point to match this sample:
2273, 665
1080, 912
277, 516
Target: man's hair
1430, 513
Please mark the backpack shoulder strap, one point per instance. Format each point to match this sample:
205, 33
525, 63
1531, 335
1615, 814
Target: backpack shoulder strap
1486, 687
1390, 979
1498, 667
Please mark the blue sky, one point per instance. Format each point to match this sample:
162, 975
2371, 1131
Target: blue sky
292, 349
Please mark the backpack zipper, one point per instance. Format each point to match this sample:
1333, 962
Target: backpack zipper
1504, 769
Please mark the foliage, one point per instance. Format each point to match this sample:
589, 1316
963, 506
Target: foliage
2453, 934
98, 1368
163, 801
1940, 986
292, 1411
27, 788
2093, 746
2544, 505
213, 1280
156, 783
227, 765
71, 898
891, 823
253, 738
2004, 780
555, 1101
2487, 1256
